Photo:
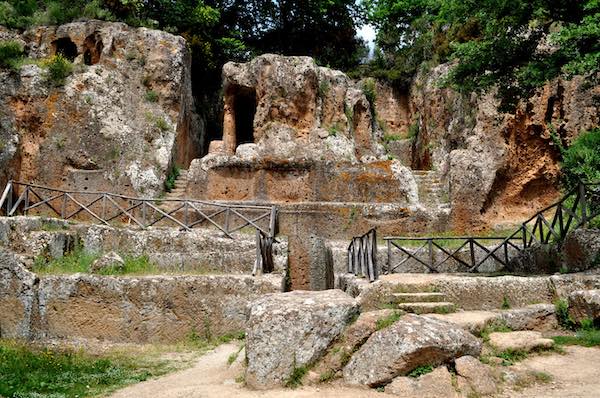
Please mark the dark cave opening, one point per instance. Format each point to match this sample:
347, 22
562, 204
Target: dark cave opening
244, 106
65, 47
92, 49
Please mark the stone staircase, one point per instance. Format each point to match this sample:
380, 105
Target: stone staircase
178, 191
423, 302
432, 192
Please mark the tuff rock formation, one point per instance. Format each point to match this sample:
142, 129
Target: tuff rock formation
498, 167
292, 330
585, 304
410, 342
120, 120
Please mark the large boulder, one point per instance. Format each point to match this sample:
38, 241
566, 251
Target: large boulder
410, 342
581, 249
585, 304
292, 330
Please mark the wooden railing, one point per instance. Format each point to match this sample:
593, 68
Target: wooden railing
109, 208
362, 256
578, 208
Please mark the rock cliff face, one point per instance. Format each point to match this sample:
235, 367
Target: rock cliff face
498, 167
120, 120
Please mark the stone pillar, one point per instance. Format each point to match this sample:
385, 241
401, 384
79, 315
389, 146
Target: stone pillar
229, 139
310, 262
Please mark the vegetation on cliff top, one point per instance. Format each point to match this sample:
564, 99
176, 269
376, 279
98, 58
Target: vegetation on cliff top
514, 45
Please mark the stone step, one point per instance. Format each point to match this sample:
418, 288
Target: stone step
424, 297
441, 307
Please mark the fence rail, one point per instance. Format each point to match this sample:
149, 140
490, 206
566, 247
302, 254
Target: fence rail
362, 256
580, 207
108, 208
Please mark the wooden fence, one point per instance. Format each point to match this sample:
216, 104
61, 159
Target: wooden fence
109, 208
362, 256
578, 208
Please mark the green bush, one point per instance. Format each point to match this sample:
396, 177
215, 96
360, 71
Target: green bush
11, 53
171, 178
581, 160
562, 314
58, 69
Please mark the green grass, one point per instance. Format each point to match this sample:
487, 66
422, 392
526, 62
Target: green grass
29, 372
151, 96
387, 321
80, 260
509, 357
327, 376
420, 371
58, 68
505, 303
583, 337
171, 178
496, 326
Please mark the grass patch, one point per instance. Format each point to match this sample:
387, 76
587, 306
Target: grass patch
133, 265
151, 96
542, 377
505, 303
327, 376
295, 379
496, 326
420, 371
509, 357
11, 53
78, 260
583, 337
42, 372
231, 359
387, 321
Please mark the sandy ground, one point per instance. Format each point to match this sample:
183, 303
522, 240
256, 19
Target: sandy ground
576, 374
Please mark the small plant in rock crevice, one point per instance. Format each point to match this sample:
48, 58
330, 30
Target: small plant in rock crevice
505, 303
420, 371
151, 96
58, 68
171, 178
298, 373
562, 314
389, 320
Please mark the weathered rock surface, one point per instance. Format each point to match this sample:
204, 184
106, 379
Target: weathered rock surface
585, 304
519, 341
149, 308
474, 376
352, 338
292, 330
437, 384
410, 342
581, 249
501, 166
98, 132
17, 298
110, 260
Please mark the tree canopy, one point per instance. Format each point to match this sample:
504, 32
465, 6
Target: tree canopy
515, 45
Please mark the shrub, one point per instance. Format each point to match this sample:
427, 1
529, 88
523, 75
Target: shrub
11, 53
161, 124
171, 178
58, 69
581, 160
562, 314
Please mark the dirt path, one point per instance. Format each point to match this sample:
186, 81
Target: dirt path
575, 374
212, 377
